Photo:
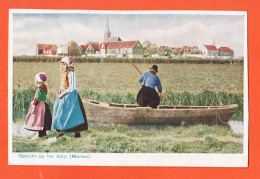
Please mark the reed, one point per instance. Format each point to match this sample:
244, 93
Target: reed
22, 99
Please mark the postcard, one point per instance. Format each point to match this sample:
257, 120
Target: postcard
128, 88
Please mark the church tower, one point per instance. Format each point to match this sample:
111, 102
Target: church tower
107, 33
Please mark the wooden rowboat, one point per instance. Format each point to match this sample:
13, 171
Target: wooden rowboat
163, 115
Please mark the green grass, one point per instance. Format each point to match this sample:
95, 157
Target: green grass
113, 138
123, 78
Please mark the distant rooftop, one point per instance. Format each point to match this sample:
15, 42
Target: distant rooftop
113, 39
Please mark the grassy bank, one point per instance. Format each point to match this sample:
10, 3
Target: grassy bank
177, 59
22, 99
131, 139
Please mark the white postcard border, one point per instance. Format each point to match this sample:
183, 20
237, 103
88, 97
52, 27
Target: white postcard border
127, 159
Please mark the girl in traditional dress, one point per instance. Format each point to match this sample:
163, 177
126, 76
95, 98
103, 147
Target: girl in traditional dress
39, 115
68, 113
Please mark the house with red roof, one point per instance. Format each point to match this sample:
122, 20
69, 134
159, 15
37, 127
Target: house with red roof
186, 49
46, 49
191, 50
50, 50
40, 48
89, 48
209, 50
131, 48
92, 48
178, 51
225, 51
82, 49
195, 50
164, 51
173, 49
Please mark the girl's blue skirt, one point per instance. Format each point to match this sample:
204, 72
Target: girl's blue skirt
69, 113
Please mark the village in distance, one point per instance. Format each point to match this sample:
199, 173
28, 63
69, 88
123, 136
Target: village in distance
115, 47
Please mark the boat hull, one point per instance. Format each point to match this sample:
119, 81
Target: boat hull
165, 115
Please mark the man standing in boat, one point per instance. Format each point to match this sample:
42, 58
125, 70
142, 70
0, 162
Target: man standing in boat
147, 96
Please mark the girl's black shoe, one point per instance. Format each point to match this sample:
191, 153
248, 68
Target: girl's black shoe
77, 135
60, 134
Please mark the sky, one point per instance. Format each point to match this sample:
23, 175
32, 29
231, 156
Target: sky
173, 30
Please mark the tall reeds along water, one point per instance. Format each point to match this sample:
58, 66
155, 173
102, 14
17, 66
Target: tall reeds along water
23, 97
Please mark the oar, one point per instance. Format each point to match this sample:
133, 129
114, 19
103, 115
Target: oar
134, 65
141, 74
